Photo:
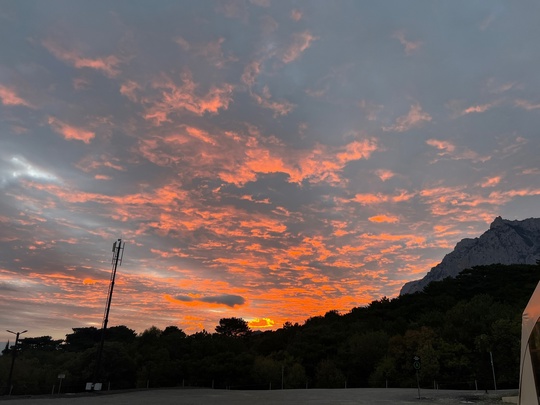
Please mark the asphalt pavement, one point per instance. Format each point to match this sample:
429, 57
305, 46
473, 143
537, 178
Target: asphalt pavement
359, 396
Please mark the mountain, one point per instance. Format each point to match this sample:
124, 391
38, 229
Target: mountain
505, 242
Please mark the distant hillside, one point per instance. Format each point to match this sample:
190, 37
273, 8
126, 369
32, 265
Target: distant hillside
505, 242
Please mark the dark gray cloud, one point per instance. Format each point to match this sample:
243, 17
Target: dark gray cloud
228, 300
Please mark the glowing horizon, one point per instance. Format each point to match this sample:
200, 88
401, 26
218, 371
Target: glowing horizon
260, 160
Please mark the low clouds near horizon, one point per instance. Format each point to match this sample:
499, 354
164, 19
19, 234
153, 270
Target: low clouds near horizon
261, 160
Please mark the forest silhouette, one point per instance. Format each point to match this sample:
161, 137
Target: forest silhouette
454, 327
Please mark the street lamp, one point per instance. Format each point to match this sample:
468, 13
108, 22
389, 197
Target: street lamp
13, 358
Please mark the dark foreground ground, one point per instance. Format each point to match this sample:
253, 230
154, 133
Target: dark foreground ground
361, 396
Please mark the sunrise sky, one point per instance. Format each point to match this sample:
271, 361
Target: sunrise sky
264, 159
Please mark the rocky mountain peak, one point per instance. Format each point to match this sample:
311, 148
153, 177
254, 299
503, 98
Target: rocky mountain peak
505, 242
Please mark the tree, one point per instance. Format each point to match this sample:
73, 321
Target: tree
233, 327
121, 334
328, 375
82, 338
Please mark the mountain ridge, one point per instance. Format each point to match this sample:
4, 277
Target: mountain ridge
505, 242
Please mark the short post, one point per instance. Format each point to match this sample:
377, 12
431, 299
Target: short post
493, 371
417, 365
60, 377
418, 383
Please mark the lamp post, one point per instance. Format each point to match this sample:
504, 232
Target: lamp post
13, 354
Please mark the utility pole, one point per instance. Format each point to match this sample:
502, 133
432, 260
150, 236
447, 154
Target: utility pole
13, 354
118, 254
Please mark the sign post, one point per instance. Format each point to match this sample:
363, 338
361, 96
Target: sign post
417, 366
60, 377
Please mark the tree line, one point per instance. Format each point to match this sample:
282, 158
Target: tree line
456, 327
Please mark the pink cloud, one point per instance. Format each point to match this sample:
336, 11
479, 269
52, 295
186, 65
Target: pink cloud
478, 108
185, 45
372, 110
526, 105
261, 3
357, 150
491, 182
282, 107
378, 198
200, 134
93, 163
300, 42
238, 158
296, 15
108, 64
69, 131
409, 46
173, 98
10, 97
384, 174
502, 197
251, 72
534, 171
441, 145
129, 89
455, 153
211, 51
80, 83
414, 118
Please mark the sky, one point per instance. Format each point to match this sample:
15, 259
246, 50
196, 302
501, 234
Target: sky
261, 159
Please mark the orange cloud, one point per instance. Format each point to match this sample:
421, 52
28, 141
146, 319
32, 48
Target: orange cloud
108, 64
8, 96
384, 218
414, 118
370, 199
491, 182
260, 323
357, 150
69, 131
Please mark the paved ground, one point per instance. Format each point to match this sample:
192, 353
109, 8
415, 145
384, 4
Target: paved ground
358, 396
